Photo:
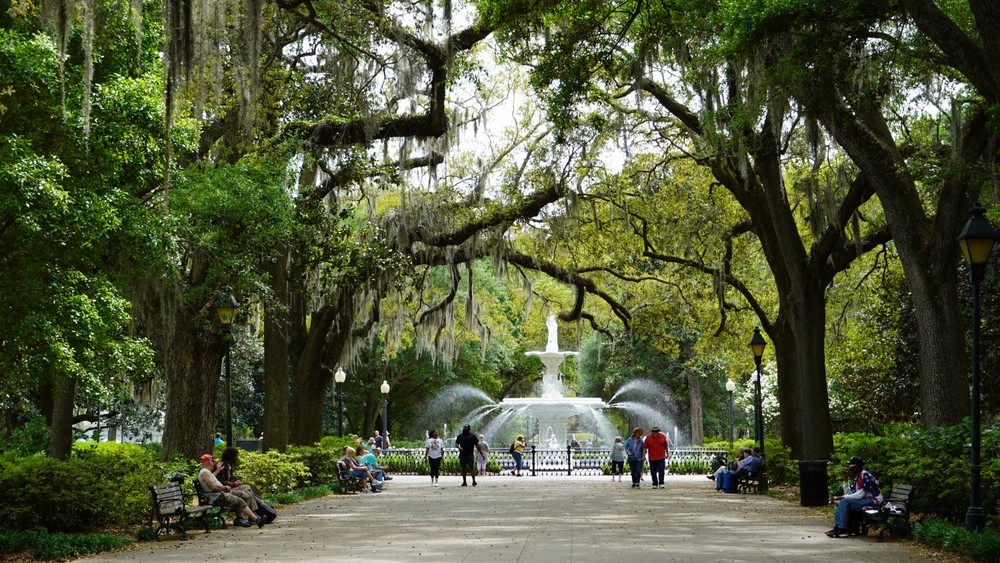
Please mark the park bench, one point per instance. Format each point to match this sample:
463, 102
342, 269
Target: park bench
347, 481
892, 514
216, 505
171, 510
751, 482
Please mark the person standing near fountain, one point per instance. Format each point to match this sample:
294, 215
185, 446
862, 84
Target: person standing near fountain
466, 443
482, 454
617, 459
434, 454
635, 452
518, 453
657, 453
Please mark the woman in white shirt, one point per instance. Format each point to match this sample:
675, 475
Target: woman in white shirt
434, 454
482, 454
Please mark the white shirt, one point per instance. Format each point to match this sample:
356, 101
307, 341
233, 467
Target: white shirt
435, 448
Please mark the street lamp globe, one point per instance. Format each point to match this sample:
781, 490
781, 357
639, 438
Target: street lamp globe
757, 344
225, 307
730, 386
340, 376
384, 387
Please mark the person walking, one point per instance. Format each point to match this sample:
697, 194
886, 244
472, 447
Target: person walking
466, 443
657, 453
617, 459
518, 454
634, 454
482, 454
434, 454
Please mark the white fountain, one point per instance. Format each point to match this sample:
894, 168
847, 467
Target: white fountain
552, 410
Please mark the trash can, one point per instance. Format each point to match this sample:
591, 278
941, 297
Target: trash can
812, 482
249, 445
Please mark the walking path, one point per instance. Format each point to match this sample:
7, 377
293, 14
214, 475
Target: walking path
537, 519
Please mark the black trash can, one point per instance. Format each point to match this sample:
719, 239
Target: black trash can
812, 482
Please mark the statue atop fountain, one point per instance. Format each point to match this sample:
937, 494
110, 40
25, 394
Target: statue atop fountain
552, 358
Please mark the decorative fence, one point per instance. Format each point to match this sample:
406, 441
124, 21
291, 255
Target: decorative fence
537, 461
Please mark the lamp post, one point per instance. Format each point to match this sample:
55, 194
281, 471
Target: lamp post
225, 307
757, 345
339, 377
730, 386
977, 241
452, 397
385, 413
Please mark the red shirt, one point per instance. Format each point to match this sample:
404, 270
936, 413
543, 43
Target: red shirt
656, 446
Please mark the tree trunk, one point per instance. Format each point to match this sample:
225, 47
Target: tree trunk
276, 342
694, 395
193, 373
61, 429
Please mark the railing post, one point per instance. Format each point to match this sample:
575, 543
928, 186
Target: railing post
532, 460
569, 460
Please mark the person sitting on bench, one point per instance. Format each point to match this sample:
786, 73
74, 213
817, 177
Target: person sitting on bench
370, 459
750, 464
861, 491
359, 471
236, 503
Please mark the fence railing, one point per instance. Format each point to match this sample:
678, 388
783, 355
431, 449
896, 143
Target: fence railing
537, 461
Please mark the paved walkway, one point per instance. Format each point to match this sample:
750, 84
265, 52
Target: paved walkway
536, 519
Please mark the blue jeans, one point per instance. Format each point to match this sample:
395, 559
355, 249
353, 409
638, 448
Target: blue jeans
359, 473
517, 460
657, 467
636, 468
848, 505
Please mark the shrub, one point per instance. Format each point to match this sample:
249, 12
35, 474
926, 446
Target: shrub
58, 546
984, 546
320, 461
100, 485
272, 472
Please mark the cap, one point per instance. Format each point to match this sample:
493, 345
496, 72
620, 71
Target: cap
206, 457
655, 429
856, 461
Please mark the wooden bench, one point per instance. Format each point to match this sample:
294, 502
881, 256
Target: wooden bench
751, 482
171, 510
347, 481
892, 514
215, 509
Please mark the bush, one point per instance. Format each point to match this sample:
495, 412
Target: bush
272, 472
320, 461
100, 485
58, 546
984, 546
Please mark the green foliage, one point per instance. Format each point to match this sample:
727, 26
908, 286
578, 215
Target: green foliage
298, 495
32, 439
273, 471
100, 485
689, 467
781, 468
981, 546
48, 546
321, 463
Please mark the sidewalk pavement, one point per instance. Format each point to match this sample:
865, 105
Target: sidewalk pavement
545, 519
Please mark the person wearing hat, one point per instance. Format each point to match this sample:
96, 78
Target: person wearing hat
657, 453
634, 455
236, 504
861, 491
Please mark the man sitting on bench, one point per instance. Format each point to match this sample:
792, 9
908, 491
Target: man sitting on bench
236, 504
359, 471
750, 464
370, 460
861, 491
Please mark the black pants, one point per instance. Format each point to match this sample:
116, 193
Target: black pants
435, 467
636, 468
617, 467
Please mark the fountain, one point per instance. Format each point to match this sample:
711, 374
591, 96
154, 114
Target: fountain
552, 410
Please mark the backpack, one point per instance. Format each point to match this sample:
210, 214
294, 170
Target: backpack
511, 450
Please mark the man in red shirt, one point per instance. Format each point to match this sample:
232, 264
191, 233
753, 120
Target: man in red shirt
656, 452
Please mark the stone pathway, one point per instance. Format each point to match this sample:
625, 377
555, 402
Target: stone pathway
538, 519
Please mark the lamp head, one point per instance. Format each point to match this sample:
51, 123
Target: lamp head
225, 307
977, 241
730, 386
452, 397
384, 387
339, 376
757, 344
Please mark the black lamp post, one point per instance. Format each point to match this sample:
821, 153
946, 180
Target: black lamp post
339, 377
385, 413
225, 307
757, 344
977, 241
730, 386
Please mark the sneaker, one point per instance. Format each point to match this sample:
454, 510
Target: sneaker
474, 483
837, 533
711, 477
261, 522
376, 490
378, 483
662, 486
387, 478
435, 483
465, 484
240, 521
